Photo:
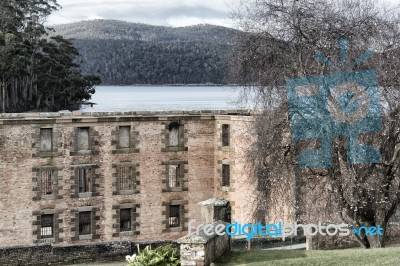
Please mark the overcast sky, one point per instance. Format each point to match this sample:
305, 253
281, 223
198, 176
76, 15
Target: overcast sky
157, 12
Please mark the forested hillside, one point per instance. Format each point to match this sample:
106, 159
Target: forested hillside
126, 53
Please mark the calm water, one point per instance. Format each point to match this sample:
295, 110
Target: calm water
161, 98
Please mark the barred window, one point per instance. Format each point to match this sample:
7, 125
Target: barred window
124, 136
174, 175
174, 134
174, 216
46, 139
47, 182
85, 223
225, 135
127, 179
226, 175
47, 226
84, 180
125, 220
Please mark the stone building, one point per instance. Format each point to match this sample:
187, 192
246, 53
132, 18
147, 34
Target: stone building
73, 178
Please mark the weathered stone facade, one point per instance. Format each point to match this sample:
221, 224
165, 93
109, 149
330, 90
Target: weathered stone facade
76, 178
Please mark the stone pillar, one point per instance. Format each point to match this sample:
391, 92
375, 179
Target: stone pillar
213, 210
202, 249
311, 243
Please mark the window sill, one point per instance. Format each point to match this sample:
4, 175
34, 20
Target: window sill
46, 154
48, 197
85, 194
47, 240
226, 188
174, 189
174, 148
127, 192
173, 229
227, 148
128, 233
82, 152
125, 150
86, 237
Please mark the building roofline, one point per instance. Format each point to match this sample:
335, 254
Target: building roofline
78, 116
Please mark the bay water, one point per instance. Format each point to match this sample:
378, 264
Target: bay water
162, 98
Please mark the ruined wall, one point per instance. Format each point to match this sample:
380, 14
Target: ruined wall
96, 145
241, 193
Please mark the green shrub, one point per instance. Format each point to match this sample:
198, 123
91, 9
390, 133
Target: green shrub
161, 256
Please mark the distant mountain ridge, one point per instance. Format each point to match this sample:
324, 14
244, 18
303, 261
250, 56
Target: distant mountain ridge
128, 53
122, 30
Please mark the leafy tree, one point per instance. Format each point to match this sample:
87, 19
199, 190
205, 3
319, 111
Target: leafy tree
37, 73
59, 80
281, 41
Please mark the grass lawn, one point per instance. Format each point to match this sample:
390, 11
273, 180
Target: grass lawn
384, 256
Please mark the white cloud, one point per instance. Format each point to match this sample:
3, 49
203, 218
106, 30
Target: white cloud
182, 21
157, 12
93, 17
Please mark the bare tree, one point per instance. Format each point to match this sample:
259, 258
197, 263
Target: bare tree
287, 39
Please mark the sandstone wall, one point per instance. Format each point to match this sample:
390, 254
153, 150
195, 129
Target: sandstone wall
199, 151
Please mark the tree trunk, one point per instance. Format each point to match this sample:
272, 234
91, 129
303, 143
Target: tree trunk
3, 96
39, 99
375, 241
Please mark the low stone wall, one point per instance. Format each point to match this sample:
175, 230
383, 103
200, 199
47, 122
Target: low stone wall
241, 244
71, 254
201, 249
